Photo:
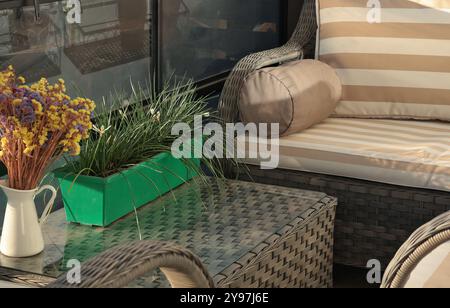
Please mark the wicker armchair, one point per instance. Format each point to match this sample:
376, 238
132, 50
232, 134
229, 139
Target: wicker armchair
121, 265
373, 219
420, 244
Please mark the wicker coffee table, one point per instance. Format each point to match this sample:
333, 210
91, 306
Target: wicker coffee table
246, 235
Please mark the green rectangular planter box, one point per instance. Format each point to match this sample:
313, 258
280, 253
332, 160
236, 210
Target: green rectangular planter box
99, 202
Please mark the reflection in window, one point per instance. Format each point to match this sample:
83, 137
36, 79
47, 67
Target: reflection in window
110, 46
201, 38
113, 44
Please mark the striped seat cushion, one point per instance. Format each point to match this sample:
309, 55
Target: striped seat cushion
393, 60
407, 153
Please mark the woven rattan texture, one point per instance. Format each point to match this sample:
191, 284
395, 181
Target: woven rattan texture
373, 219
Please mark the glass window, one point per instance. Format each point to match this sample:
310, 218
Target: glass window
202, 38
112, 42
109, 46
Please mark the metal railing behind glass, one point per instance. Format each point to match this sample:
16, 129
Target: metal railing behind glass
18, 5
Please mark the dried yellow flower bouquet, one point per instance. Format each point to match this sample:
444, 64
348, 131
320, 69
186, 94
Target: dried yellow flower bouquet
38, 124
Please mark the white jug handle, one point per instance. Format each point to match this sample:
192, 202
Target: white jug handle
49, 206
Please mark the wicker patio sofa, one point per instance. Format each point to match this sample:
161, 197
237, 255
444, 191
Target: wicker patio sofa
373, 218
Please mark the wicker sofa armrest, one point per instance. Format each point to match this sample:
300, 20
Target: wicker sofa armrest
422, 242
119, 266
293, 50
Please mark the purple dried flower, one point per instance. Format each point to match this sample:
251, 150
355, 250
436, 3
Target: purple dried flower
3, 98
79, 107
25, 112
18, 91
34, 95
80, 128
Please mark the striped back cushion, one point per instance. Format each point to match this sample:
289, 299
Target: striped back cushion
393, 56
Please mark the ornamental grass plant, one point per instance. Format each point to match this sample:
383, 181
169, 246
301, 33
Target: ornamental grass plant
137, 127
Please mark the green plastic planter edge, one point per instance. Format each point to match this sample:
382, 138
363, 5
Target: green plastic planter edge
99, 202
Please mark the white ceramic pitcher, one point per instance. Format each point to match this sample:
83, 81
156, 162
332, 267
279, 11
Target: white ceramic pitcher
22, 234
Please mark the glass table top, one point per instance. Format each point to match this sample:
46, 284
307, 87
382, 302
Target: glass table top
219, 221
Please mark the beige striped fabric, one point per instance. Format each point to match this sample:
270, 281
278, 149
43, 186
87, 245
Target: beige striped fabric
393, 62
408, 153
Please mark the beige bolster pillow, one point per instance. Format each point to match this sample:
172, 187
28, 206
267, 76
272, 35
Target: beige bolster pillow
296, 95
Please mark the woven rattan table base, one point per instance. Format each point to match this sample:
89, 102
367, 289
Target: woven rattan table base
246, 234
